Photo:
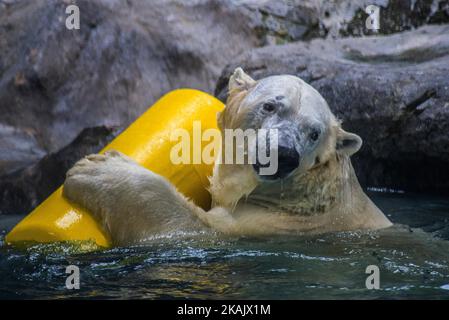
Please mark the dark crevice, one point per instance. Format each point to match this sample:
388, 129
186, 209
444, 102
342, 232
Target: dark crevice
414, 104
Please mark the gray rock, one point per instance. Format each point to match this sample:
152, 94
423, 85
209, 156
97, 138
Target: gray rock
393, 91
348, 18
24, 189
55, 82
291, 20
18, 149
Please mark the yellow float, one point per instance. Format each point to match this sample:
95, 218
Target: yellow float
147, 141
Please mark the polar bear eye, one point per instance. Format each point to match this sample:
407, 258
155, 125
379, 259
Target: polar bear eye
314, 135
269, 107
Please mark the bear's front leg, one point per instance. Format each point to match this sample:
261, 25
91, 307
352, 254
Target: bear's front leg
132, 203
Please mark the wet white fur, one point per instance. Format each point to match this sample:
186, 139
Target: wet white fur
135, 204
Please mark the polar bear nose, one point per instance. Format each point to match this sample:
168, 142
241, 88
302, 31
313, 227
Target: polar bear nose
288, 160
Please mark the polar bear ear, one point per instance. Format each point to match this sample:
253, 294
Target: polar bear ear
348, 143
240, 81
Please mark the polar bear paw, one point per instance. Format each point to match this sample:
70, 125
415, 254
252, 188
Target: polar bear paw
88, 182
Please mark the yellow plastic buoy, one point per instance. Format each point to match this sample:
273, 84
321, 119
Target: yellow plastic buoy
147, 141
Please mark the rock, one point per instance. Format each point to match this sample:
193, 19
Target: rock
348, 18
24, 189
291, 20
391, 90
18, 149
55, 82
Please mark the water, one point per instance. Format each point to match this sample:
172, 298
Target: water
413, 263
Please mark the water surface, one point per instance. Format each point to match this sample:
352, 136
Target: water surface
413, 258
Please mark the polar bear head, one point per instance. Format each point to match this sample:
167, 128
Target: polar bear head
309, 135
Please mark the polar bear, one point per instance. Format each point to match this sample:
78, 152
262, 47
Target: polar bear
314, 190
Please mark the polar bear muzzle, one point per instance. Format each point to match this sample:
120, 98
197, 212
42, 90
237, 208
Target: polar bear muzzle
288, 160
